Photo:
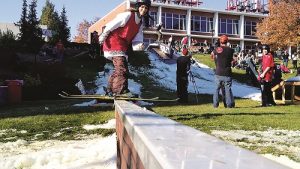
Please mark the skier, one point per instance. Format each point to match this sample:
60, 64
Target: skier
125, 29
223, 75
158, 32
266, 77
183, 68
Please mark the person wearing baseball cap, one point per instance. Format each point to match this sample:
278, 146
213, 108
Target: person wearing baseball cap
223, 73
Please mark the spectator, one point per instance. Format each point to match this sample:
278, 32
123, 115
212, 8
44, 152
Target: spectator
285, 58
223, 75
183, 68
266, 77
184, 42
295, 60
60, 50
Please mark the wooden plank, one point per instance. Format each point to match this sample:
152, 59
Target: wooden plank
160, 53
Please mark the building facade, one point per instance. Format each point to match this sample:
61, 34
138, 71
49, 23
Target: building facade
190, 19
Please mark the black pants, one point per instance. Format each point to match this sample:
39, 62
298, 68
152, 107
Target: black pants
266, 94
182, 85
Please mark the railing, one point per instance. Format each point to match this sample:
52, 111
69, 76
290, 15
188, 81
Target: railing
191, 3
146, 140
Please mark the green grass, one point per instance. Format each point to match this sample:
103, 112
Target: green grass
47, 118
246, 116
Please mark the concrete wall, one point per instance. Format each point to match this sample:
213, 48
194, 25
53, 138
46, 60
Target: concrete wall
148, 140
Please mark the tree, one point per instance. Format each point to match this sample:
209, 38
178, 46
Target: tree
47, 13
34, 30
64, 30
282, 27
54, 27
23, 23
82, 32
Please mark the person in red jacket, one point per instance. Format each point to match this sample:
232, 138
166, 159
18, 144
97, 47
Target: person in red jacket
267, 66
118, 34
60, 50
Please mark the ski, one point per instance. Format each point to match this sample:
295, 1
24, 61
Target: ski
102, 97
252, 67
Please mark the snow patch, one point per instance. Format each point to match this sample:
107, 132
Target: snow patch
88, 153
282, 140
165, 74
111, 124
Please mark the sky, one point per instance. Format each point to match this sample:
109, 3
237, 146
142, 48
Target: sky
77, 10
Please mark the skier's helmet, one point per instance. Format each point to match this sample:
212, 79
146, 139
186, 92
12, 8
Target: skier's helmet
223, 39
142, 2
266, 47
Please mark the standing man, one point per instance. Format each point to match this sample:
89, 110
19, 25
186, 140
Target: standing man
182, 73
266, 77
223, 75
285, 58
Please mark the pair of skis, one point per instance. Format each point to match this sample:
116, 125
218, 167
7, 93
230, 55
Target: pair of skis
110, 98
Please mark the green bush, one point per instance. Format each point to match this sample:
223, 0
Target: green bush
30, 80
7, 40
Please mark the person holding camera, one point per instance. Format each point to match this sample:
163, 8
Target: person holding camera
182, 73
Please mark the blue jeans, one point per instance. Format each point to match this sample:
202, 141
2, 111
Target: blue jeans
226, 82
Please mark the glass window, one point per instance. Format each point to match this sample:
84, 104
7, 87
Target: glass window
154, 16
201, 24
250, 28
175, 21
182, 22
229, 26
168, 23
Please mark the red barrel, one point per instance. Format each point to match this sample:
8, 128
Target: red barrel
14, 90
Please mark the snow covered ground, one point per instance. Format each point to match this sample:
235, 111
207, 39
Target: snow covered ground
285, 141
92, 152
95, 151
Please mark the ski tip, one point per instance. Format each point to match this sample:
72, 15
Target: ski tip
61, 95
65, 93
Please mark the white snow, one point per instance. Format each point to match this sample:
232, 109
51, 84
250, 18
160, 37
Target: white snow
93, 152
286, 141
283, 160
109, 125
